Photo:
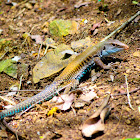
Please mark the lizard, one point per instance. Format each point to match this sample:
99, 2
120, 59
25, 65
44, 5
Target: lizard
71, 75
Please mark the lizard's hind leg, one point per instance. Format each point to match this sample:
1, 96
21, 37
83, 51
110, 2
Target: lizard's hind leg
71, 84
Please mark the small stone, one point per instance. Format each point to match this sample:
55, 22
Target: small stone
38, 132
112, 77
137, 102
29, 6
79, 104
135, 97
82, 112
32, 2
137, 136
93, 78
1, 31
86, 21
128, 70
128, 122
126, 108
3, 134
136, 54
19, 24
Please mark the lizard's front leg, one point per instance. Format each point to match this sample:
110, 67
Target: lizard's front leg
99, 62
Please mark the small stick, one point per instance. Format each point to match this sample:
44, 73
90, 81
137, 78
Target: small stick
27, 36
20, 82
20, 13
8, 100
121, 27
73, 110
19, 90
128, 95
135, 90
39, 50
33, 28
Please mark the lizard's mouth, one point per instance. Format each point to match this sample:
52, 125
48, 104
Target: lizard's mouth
118, 44
126, 47
122, 46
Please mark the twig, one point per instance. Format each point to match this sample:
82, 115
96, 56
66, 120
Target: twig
7, 51
128, 95
8, 100
33, 28
121, 27
27, 36
19, 90
73, 110
22, 9
20, 13
135, 90
21, 3
39, 50
21, 44
20, 81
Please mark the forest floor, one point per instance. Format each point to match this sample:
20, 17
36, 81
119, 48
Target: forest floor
123, 122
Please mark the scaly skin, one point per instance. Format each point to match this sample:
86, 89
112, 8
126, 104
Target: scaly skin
70, 75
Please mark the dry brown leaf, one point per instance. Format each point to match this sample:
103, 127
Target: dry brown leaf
52, 63
95, 123
88, 96
79, 104
64, 101
81, 44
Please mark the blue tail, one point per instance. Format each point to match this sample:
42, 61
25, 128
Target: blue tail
46, 94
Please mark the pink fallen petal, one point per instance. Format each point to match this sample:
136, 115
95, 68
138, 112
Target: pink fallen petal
37, 38
96, 25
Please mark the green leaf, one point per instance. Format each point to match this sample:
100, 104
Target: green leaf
9, 67
132, 139
11, 70
139, 108
5, 63
4, 42
62, 28
4, 47
134, 2
1, 12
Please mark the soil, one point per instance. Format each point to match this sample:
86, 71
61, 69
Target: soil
123, 122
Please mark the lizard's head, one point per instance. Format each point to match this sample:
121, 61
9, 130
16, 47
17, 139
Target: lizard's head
113, 46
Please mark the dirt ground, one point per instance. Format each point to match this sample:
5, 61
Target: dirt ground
123, 122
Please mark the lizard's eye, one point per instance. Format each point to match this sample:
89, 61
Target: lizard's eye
113, 44
104, 48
